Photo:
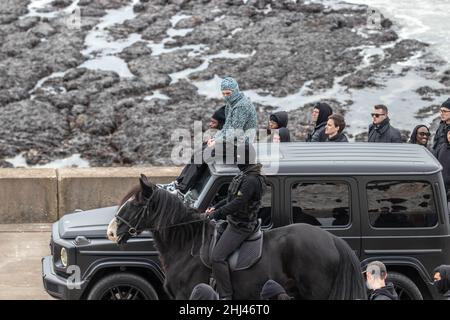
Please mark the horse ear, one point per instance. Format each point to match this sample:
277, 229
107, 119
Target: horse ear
146, 186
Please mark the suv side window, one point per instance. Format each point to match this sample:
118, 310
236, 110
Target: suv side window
401, 204
264, 213
325, 204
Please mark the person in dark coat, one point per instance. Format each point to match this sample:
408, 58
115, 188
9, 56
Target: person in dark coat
376, 275
335, 126
420, 135
441, 133
191, 171
443, 155
240, 209
278, 127
381, 130
202, 291
442, 280
272, 290
320, 114
281, 135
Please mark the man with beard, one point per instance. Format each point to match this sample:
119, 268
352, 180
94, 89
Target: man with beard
381, 130
240, 209
376, 275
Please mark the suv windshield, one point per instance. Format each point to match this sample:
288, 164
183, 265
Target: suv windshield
192, 195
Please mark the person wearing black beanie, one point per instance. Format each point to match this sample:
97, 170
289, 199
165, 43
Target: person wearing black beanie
272, 290
202, 291
320, 114
218, 119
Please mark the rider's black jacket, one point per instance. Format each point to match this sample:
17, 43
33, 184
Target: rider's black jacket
244, 199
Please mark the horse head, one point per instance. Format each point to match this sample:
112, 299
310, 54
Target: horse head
129, 220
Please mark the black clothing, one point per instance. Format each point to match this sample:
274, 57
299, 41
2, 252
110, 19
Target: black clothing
384, 293
443, 285
384, 132
241, 209
202, 291
413, 137
340, 137
284, 135
270, 290
324, 112
281, 118
318, 135
443, 155
229, 241
440, 137
244, 198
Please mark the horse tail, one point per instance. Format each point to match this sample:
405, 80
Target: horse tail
349, 282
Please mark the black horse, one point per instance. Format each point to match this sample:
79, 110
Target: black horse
321, 265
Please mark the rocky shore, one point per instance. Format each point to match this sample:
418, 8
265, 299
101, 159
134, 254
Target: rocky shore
59, 96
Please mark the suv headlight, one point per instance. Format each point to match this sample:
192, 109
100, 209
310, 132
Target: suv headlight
64, 257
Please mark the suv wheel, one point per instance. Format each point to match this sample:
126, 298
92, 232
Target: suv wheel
122, 286
406, 289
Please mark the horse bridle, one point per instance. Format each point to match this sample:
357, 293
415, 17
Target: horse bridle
133, 231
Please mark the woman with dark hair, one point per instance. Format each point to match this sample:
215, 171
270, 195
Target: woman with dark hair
334, 128
320, 114
420, 135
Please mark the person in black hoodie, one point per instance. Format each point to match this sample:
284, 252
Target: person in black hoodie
376, 274
320, 114
420, 135
443, 155
278, 127
335, 126
381, 130
442, 280
440, 136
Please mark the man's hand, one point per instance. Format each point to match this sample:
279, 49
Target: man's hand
210, 210
211, 143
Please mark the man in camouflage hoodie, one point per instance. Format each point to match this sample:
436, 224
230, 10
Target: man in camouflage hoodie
240, 114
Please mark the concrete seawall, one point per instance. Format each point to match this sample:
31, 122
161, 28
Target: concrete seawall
45, 195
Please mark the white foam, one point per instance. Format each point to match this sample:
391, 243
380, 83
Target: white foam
35, 6
72, 161
109, 63
224, 54
101, 48
157, 95
43, 80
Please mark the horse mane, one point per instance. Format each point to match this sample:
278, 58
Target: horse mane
165, 214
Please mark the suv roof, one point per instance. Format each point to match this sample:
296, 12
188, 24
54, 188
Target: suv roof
340, 159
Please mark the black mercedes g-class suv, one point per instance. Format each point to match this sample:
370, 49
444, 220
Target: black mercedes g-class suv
387, 201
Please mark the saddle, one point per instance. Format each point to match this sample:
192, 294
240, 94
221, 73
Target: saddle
244, 257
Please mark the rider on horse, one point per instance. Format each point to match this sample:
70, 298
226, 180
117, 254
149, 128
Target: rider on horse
240, 208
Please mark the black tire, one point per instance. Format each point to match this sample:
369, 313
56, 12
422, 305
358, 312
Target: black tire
404, 286
122, 286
